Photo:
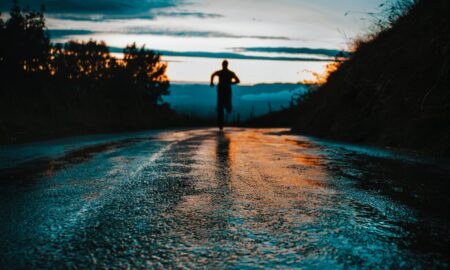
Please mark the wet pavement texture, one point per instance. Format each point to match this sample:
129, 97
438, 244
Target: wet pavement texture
242, 198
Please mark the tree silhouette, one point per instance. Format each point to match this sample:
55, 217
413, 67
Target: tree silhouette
147, 72
26, 44
76, 87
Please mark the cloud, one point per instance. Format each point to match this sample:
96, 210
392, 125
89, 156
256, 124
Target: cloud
151, 14
102, 10
291, 50
201, 15
227, 55
163, 32
188, 33
70, 12
79, 17
60, 33
109, 9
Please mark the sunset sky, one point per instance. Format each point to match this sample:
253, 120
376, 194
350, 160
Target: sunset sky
265, 40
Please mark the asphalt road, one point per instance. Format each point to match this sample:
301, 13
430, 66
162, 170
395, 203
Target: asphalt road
243, 198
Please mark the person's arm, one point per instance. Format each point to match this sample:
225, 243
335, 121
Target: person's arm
212, 78
236, 79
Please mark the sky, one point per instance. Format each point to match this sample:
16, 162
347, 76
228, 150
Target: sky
265, 41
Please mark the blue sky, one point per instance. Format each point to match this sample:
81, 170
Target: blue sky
265, 40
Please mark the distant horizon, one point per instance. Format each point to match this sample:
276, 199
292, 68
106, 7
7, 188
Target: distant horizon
199, 99
242, 84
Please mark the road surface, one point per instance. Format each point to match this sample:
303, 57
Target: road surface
244, 198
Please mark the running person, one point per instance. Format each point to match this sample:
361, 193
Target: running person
226, 79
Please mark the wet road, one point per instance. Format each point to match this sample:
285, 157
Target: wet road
245, 198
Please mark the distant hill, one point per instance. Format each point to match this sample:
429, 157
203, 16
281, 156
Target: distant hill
394, 90
252, 100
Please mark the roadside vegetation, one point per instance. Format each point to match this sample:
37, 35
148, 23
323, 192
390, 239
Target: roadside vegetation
394, 90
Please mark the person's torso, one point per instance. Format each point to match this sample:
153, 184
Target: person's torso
225, 78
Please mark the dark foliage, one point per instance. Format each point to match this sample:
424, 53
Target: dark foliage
282, 118
64, 89
395, 89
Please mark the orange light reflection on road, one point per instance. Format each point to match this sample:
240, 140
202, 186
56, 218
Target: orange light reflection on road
253, 177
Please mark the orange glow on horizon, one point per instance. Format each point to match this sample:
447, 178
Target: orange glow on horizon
322, 78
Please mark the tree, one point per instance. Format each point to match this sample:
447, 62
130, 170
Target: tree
85, 60
25, 43
76, 87
147, 72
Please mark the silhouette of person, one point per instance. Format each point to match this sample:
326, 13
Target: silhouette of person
226, 79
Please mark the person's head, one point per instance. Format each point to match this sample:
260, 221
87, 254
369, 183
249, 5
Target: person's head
225, 64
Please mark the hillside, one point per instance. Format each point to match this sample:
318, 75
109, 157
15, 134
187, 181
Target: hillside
394, 90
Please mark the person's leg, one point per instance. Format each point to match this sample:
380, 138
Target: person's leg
228, 104
220, 116
220, 107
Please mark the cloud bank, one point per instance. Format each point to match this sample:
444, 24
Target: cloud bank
104, 9
227, 55
94, 6
290, 50
160, 32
